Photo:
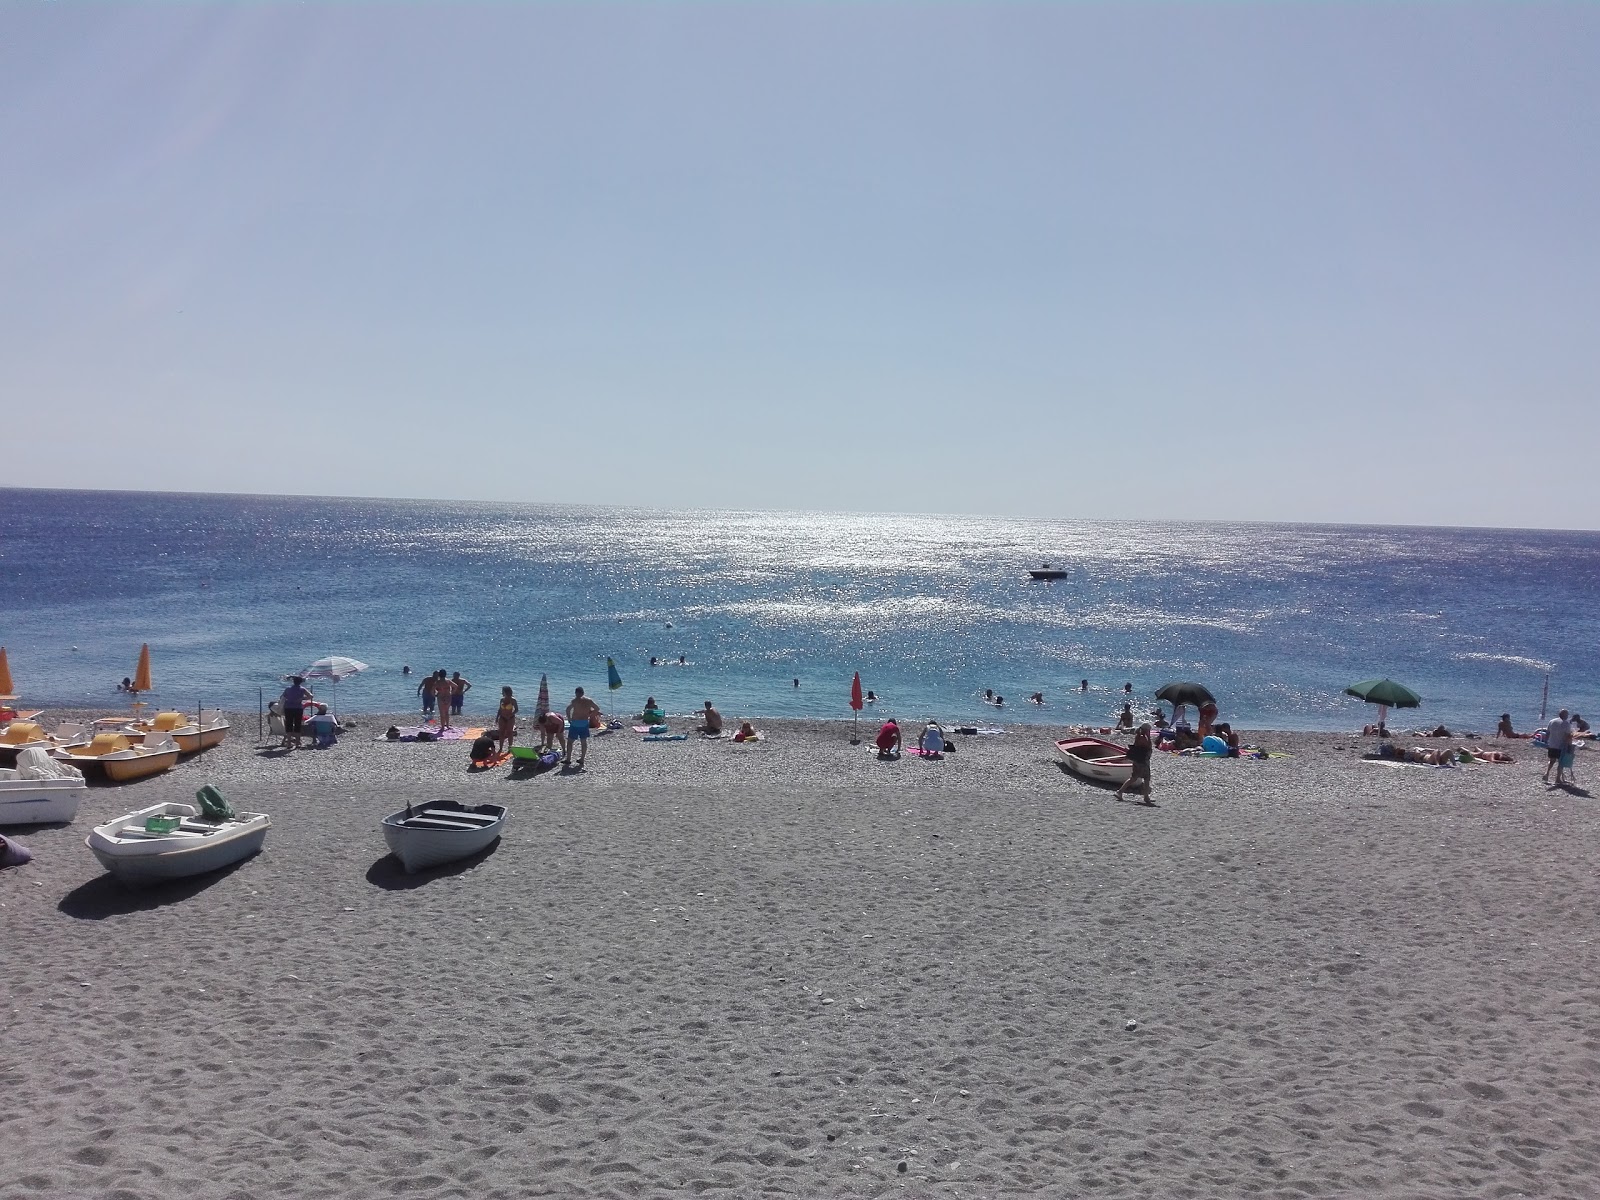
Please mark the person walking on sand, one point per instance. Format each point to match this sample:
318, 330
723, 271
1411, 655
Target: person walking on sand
1557, 745
1139, 755
459, 688
580, 714
505, 719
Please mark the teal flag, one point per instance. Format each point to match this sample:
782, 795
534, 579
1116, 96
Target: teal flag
613, 680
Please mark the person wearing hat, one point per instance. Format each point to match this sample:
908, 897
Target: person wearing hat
294, 700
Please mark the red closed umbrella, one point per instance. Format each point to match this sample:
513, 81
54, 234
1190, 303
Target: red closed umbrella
856, 702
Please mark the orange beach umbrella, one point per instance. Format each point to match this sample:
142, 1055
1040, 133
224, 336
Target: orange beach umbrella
7, 688
141, 677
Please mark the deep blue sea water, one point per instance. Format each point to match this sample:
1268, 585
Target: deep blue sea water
232, 592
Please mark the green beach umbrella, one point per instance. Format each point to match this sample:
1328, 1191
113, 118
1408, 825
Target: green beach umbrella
613, 680
1386, 692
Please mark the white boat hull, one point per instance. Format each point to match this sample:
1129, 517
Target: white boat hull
139, 859
40, 801
1094, 760
439, 832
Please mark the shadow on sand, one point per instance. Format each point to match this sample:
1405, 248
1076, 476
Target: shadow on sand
104, 897
1101, 785
388, 874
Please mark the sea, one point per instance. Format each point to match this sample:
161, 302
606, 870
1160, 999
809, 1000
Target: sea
772, 613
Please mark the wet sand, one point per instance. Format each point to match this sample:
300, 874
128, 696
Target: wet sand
790, 969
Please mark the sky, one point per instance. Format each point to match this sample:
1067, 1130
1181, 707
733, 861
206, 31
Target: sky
1272, 261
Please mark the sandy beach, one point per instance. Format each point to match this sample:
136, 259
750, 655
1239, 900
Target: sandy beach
790, 969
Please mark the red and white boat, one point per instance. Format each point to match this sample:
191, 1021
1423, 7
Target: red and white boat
1096, 760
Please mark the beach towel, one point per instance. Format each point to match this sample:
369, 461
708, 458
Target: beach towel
435, 734
666, 737
493, 760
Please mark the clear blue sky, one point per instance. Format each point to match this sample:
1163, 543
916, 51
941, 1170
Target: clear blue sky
1263, 261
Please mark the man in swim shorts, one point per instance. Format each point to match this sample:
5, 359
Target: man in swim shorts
580, 714
1557, 738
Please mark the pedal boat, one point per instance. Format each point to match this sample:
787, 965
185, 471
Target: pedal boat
192, 734
115, 756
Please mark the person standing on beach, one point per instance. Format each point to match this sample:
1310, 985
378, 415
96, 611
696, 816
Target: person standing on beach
505, 719
581, 713
1139, 755
1557, 746
459, 688
294, 700
441, 695
425, 690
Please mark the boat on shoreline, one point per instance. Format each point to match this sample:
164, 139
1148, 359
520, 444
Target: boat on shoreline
39, 791
115, 756
1095, 760
20, 736
174, 841
441, 831
191, 733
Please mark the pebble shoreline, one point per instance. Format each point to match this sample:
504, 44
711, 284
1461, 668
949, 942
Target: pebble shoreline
790, 968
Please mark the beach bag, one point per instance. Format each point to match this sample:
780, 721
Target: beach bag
482, 749
212, 806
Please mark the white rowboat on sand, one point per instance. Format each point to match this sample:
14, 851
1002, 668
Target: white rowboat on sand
1095, 760
138, 855
40, 791
441, 831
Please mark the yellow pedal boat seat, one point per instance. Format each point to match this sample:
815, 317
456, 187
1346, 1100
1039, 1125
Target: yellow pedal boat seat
168, 721
20, 732
105, 743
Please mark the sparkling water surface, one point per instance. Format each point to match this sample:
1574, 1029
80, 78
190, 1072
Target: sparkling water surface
232, 592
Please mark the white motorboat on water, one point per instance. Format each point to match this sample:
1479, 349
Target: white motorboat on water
441, 831
39, 791
1093, 759
174, 841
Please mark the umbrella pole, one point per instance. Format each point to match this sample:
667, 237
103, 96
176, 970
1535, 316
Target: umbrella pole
261, 714
1544, 701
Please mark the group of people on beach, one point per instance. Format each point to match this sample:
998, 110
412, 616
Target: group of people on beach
289, 719
558, 733
447, 693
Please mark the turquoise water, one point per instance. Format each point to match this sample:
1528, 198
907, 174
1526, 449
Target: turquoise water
233, 592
